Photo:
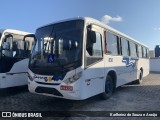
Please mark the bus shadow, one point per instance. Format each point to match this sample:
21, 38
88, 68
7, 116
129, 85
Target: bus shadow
125, 93
5, 92
60, 104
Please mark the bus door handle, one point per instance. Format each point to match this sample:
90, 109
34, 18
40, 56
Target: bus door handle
88, 80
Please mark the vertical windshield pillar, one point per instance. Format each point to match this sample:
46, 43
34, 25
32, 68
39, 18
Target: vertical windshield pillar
42, 48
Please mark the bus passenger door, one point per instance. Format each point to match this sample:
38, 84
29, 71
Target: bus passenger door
94, 63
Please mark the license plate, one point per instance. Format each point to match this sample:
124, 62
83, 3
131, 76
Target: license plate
67, 88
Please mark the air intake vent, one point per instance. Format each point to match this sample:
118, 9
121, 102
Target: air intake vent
52, 91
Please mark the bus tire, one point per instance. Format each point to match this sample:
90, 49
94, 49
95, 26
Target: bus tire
109, 87
140, 78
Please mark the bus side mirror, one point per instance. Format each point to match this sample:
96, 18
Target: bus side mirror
31, 37
93, 36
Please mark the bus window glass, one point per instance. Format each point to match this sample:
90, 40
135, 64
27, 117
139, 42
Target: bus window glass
144, 53
58, 46
125, 50
139, 51
133, 49
111, 44
147, 53
20, 48
94, 50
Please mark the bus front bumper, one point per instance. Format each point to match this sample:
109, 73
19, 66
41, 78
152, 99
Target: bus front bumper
59, 91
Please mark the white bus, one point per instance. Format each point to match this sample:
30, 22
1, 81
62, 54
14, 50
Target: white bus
79, 58
14, 57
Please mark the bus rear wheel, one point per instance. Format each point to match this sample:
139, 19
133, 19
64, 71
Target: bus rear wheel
140, 78
108, 88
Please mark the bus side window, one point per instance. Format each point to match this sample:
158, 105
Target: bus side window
118, 45
112, 43
144, 52
93, 48
124, 47
147, 51
139, 51
129, 48
133, 50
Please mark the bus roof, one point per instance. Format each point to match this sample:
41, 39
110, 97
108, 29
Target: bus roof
92, 20
14, 31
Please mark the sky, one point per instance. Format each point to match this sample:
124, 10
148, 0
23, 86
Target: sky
139, 19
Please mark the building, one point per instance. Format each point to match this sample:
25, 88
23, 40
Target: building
157, 51
152, 54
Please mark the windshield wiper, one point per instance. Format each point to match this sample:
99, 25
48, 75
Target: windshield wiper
73, 64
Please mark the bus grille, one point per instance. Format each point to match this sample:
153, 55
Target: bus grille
47, 83
48, 91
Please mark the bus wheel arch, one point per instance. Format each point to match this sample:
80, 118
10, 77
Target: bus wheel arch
110, 85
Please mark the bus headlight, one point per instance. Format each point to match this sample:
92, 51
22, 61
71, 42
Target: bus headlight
72, 79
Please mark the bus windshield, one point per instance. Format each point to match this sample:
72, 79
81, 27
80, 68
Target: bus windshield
58, 47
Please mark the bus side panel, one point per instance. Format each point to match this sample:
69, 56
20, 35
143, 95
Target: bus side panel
124, 73
17, 76
93, 80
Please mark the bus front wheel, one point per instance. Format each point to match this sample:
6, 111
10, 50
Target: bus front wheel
108, 88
